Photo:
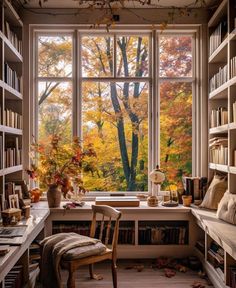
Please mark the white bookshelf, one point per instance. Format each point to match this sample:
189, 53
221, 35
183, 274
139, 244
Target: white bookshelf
221, 98
11, 29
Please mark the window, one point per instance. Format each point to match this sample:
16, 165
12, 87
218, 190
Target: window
115, 92
175, 82
115, 104
54, 85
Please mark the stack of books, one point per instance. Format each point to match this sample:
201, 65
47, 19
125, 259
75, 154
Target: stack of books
14, 278
13, 153
233, 67
12, 119
195, 186
11, 78
219, 117
219, 150
12, 37
219, 78
217, 36
215, 255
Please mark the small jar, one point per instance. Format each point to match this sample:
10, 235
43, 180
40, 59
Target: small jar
152, 201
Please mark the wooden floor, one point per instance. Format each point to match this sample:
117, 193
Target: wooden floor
129, 277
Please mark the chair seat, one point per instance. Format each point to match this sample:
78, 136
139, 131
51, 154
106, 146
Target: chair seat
84, 251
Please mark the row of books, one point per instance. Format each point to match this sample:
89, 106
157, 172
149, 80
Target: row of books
219, 78
11, 77
12, 37
1, 149
126, 232
195, 186
165, 235
13, 119
215, 255
217, 36
232, 276
233, 67
13, 153
219, 150
14, 279
219, 117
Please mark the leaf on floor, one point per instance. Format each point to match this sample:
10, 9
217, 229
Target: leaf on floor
169, 273
198, 285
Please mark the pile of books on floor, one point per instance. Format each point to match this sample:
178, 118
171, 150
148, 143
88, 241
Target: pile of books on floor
219, 150
14, 278
219, 117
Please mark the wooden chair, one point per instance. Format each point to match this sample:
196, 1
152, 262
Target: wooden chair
108, 214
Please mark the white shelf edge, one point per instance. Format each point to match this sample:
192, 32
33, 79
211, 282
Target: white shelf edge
218, 50
219, 129
219, 167
232, 126
232, 169
13, 91
219, 90
12, 130
13, 169
13, 49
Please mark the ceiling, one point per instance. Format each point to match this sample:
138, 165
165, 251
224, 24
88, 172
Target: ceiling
127, 3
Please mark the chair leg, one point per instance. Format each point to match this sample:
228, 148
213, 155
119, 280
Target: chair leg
93, 275
114, 274
71, 279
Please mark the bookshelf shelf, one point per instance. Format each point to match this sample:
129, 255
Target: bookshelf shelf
219, 167
232, 169
219, 130
10, 130
10, 13
12, 55
11, 93
220, 92
219, 13
232, 126
13, 169
220, 54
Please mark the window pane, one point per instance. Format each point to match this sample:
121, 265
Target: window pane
115, 120
97, 56
55, 56
176, 130
175, 56
55, 109
132, 56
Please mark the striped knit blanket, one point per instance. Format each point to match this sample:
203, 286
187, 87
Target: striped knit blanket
53, 249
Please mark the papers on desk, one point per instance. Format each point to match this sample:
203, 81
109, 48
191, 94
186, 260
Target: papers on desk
14, 235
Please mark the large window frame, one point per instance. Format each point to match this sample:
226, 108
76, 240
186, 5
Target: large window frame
153, 80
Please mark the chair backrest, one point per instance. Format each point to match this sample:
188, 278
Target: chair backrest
107, 226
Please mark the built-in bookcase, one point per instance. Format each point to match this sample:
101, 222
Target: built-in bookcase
11, 95
222, 129
222, 92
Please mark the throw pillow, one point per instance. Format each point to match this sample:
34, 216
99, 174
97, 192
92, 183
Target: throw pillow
227, 208
214, 193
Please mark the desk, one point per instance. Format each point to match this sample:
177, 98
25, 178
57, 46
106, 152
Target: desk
35, 225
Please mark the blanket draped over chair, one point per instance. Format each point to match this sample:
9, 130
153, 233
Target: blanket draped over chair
53, 249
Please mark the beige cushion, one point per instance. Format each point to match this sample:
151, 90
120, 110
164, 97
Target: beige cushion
84, 251
227, 208
214, 193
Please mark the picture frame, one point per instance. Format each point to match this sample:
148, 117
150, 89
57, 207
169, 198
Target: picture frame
14, 201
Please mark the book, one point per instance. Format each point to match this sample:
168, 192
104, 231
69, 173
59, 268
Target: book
11, 232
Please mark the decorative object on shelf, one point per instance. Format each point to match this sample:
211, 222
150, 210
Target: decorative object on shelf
173, 199
35, 194
156, 177
60, 165
152, 201
187, 200
11, 216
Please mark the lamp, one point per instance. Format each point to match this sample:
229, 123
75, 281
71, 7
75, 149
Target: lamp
156, 177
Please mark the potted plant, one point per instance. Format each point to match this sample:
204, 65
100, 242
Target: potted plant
58, 166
